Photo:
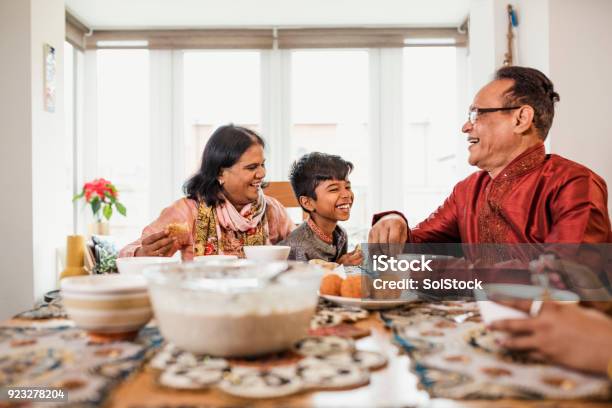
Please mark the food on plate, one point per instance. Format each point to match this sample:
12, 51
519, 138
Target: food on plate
351, 287
385, 292
330, 285
324, 264
180, 231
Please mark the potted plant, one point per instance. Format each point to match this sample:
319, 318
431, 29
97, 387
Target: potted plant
102, 196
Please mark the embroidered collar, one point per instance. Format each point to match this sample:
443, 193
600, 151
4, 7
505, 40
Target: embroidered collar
525, 162
328, 239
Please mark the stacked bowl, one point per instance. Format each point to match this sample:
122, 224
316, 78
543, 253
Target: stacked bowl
111, 306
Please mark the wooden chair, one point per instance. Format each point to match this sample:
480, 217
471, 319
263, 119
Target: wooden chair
282, 191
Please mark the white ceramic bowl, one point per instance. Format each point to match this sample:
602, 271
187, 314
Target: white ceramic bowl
233, 309
435, 257
491, 310
267, 252
107, 304
136, 264
214, 258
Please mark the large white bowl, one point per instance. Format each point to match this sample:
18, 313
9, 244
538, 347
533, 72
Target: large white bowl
136, 264
107, 304
267, 252
234, 309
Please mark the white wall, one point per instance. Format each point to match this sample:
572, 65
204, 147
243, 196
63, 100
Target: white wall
16, 275
48, 233
533, 34
481, 58
569, 41
31, 148
580, 66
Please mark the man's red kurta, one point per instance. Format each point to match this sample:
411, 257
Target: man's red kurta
537, 198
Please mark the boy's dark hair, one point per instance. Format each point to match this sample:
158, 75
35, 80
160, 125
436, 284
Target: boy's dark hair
533, 88
313, 168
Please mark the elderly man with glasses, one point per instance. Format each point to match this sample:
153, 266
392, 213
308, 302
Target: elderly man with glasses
521, 194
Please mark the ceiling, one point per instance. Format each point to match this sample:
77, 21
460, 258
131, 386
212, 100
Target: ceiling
145, 14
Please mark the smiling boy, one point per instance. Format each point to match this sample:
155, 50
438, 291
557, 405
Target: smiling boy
321, 185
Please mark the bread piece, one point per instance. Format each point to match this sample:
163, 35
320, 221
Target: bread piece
324, 264
180, 231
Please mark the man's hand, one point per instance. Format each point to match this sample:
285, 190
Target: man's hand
390, 229
570, 335
354, 258
157, 244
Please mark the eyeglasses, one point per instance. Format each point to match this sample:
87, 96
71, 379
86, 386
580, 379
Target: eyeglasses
475, 112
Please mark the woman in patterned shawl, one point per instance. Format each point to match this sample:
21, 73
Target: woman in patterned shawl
224, 208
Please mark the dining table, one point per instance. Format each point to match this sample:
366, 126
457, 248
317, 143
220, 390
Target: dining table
393, 385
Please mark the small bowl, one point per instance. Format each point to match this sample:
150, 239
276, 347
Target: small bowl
214, 258
491, 311
267, 252
136, 264
418, 257
107, 306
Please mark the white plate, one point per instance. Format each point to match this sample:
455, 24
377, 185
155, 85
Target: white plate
369, 304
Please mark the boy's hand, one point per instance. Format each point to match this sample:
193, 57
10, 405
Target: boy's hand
354, 258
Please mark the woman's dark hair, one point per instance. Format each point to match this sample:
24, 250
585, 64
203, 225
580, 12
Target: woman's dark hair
533, 88
313, 168
222, 150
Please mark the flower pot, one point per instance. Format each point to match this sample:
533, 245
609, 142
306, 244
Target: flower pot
75, 256
99, 228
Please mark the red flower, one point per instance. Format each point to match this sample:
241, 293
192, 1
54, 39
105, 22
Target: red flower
100, 188
107, 197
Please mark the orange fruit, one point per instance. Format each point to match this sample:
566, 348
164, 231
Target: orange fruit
351, 287
330, 285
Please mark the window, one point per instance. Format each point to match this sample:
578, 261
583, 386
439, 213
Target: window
329, 113
340, 101
219, 88
123, 134
431, 128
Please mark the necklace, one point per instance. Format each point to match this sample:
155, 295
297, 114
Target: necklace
328, 239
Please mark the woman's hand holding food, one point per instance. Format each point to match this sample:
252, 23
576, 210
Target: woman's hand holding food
157, 244
165, 243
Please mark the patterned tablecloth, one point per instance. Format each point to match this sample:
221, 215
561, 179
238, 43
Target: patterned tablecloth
451, 352
44, 351
64, 357
456, 357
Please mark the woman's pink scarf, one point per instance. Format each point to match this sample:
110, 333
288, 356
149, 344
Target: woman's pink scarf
248, 218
